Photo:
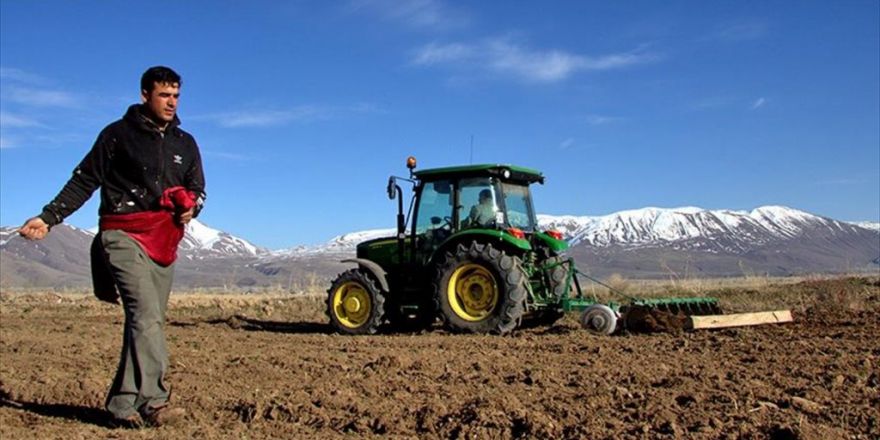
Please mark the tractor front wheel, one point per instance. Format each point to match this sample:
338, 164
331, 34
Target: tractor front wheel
355, 304
480, 289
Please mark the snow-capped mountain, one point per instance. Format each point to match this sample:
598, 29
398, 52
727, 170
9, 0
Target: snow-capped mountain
713, 231
719, 230
648, 242
658, 242
339, 245
874, 226
201, 240
687, 242
7, 234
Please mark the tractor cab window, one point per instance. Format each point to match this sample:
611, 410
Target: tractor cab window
518, 201
477, 207
434, 217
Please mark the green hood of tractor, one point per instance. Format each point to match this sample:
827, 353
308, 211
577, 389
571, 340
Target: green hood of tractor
382, 250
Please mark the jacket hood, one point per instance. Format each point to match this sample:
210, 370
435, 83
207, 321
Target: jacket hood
137, 115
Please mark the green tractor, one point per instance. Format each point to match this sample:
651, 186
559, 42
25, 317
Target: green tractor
468, 251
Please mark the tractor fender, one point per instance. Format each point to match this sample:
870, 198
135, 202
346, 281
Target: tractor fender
492, 235
498, 239
373, 268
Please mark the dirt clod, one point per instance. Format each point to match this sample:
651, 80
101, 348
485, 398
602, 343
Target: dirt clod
650, 320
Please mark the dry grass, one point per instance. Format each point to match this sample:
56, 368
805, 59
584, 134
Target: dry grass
804, 294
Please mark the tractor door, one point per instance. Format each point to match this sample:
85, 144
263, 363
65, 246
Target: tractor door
434, 222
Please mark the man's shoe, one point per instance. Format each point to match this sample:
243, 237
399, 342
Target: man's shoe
131, 422
164, 415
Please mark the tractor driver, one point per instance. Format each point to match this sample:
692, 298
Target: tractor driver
483, 213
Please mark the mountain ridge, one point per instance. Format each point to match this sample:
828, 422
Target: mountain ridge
764, 223
648, 242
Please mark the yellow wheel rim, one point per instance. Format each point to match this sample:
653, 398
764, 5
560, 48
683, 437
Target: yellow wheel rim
352, 305
472, 292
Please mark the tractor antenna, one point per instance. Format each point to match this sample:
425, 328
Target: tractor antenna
472, 149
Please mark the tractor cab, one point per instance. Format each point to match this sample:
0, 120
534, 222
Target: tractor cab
473, 199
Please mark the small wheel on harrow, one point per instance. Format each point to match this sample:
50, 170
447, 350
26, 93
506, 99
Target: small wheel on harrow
599, 319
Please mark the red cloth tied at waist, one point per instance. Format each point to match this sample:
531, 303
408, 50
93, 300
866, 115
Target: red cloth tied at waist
158, 232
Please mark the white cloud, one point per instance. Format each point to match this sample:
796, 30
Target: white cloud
269, 118
740, 31
39, 97
712, 103
363, 107
26, 88
6, 143
8, 120
502, 56
418, 14
437, 54
601, 119
758, 103
566, 144
13, 74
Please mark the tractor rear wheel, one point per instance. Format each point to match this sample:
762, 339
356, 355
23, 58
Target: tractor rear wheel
355, 304
480, 289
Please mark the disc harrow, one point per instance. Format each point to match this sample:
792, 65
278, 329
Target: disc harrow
633, 313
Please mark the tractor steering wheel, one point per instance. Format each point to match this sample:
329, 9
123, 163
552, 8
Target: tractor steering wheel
442, 223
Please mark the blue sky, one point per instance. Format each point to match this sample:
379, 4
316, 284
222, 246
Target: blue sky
302, 109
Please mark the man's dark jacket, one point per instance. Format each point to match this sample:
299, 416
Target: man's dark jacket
133, 162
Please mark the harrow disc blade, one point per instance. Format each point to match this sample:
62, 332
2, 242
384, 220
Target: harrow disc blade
682, 306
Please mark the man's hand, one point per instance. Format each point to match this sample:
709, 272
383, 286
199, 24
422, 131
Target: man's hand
34, 229
186, 216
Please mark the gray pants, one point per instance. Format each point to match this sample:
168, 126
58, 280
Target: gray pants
144, 287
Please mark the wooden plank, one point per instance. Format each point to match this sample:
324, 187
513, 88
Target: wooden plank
740, 319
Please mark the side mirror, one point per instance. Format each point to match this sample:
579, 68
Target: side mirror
392, 190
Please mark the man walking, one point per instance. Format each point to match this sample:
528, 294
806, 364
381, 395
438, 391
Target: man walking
152, 185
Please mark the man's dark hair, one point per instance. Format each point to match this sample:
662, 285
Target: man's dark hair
159, 75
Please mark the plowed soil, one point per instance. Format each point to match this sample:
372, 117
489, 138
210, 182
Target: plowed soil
269, 367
